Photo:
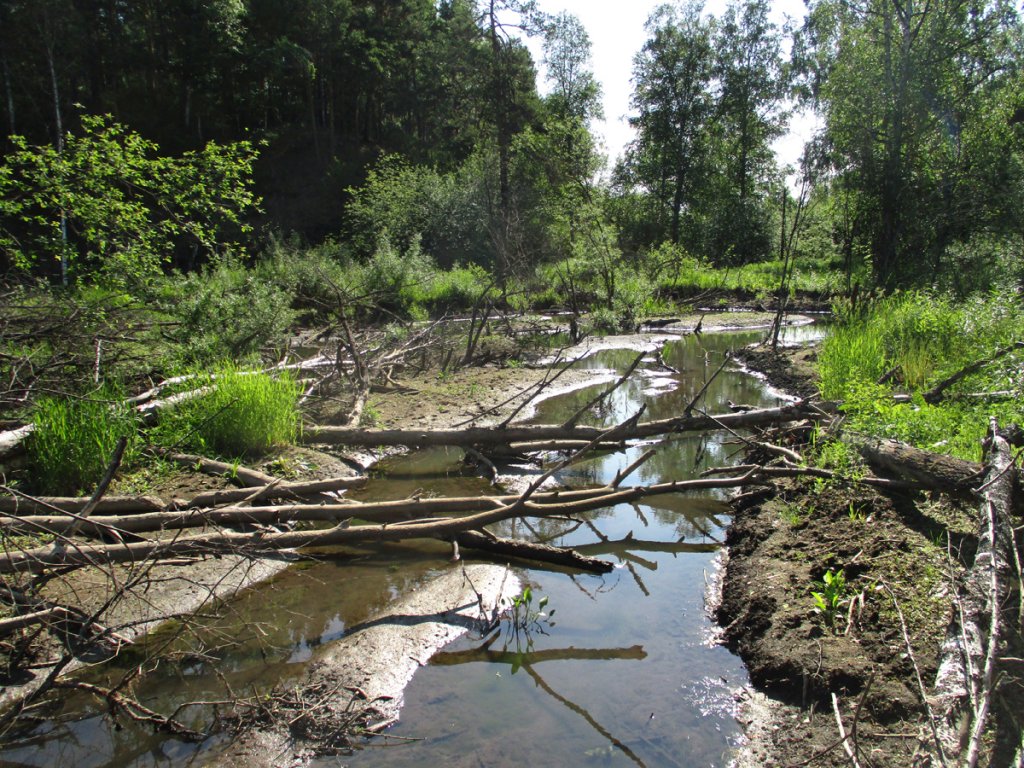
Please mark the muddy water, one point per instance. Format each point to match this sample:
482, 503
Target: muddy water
624, 671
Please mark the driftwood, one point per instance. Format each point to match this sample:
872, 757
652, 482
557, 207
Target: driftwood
482, 436
966, 678
244, 476
568, 558
23, 505
270, 491
108, 505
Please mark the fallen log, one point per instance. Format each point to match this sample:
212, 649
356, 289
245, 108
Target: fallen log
478, 436
526, 550
486, 654
108, 505
932, 470
12, 441
262, 542
271, 491
245, 476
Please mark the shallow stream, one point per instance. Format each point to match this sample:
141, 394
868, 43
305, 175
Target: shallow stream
623, 670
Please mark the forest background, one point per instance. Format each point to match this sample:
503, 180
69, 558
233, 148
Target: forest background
236, 165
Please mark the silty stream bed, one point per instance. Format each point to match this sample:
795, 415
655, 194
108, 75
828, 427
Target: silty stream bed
625, 671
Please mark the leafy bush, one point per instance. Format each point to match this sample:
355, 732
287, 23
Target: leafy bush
396, 281
109, 204
243, 414
416, 203
982, 262
74, 440
225, 312
311, 275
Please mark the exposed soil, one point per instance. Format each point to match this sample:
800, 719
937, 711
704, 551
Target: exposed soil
792, 370
900, 555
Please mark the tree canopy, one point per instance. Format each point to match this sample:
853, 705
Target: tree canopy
421, 121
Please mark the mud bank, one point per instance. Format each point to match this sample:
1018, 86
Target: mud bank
893, 550
371, 666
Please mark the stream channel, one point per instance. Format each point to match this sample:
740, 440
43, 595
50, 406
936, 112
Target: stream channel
625, 670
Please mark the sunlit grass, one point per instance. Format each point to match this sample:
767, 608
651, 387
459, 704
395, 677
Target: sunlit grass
242, 414
73, 442
920, 340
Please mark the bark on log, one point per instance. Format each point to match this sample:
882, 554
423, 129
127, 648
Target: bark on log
261, 542
250, 478
932, 470
108, 505
966, 676
273, 491
478, 436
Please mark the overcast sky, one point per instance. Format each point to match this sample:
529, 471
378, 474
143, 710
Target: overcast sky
616, 30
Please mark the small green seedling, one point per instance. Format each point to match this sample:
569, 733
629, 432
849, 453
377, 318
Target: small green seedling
857, 515
830, 600
525, 619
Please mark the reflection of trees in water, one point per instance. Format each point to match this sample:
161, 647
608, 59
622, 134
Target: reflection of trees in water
692, 517
526, 662
546, 529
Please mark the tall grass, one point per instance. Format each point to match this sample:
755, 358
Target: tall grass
73, 441
761, 278
922, 339
243, 414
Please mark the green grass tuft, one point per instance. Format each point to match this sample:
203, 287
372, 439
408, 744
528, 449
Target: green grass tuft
243, 414
73, 442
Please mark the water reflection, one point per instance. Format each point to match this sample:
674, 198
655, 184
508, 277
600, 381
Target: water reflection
663, 709
628, 676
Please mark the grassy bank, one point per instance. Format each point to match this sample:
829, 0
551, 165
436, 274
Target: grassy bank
909, 344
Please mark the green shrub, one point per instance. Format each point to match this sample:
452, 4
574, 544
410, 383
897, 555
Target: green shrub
226, 312
312, 276
243, 414
73, 442
395, 281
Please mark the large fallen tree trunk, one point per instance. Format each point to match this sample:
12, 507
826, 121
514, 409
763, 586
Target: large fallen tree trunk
967, 672
478, 436
931, 470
